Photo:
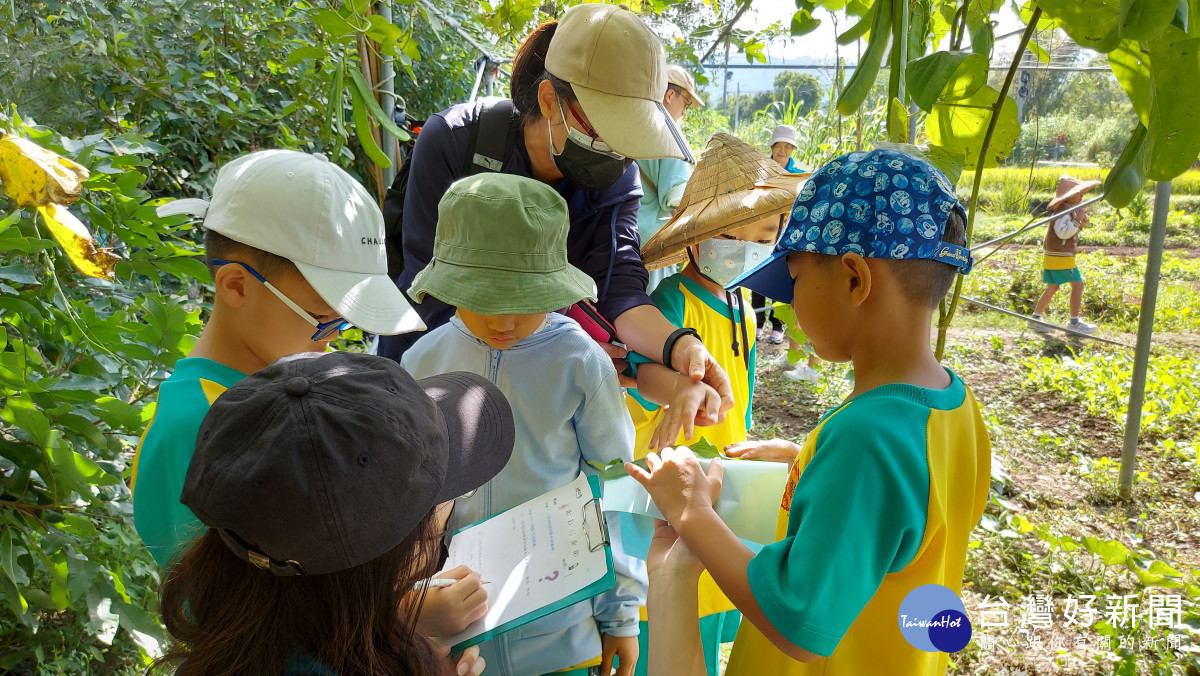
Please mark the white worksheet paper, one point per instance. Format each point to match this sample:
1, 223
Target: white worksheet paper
532, 555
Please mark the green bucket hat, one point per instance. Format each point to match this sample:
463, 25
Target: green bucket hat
501, 248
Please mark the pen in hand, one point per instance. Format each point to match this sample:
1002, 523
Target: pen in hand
437, 582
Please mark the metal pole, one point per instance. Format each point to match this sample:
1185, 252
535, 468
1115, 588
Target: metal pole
725, 81
1141, 355
480, 66
737, 107
1034, 224
387, 101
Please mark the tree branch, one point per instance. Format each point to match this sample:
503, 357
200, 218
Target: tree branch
725, 32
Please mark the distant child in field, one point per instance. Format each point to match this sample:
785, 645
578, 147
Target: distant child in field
1060, 244
500, 258
727, 223
883, 495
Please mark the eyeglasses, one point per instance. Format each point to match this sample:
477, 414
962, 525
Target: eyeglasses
325, 330
596, 144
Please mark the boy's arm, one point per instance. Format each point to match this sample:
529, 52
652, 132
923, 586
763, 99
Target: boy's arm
673, 606
688, 507
686, 403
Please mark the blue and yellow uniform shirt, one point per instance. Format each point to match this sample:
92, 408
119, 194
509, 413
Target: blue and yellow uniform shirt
881, 500
685, 303
165, 451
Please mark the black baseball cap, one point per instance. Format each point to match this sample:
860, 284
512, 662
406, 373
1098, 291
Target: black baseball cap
322, 462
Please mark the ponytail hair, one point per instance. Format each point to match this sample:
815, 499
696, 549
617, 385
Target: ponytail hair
529, 69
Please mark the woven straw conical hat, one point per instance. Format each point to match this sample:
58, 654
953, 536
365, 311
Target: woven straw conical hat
733, 185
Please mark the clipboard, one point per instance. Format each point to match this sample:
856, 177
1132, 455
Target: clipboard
539, 557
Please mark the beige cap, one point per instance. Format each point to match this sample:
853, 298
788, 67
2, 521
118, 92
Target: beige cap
618, 69
733, 185
679, 77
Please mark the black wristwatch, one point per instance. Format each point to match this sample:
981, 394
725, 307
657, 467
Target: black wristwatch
674, 338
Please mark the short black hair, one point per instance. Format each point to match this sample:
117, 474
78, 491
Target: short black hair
269, 265
926, 281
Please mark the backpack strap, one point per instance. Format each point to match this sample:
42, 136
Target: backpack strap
493, 133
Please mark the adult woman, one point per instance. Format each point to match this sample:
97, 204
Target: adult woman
589, 93
319, 478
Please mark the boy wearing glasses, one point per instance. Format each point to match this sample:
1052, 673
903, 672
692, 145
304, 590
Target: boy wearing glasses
295, 248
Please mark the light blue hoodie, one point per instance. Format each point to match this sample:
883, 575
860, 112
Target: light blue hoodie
569, 410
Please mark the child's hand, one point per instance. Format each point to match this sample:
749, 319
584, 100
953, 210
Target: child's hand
775, 450
450, 610
625, 648
618, 355
466, 663
669, 557
694, 404
677, 483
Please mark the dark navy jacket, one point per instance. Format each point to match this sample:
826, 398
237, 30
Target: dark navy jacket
603, 240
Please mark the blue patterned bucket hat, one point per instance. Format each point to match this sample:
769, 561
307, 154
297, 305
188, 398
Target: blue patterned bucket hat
878, 204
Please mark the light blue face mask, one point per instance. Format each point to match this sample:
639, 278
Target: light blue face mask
724, 260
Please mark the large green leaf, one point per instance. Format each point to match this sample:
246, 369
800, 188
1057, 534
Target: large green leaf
1111, 552
961, 125
948, 75
1145, 19
803, 23
983, 38
1045, 21
1131, 66
1173, 138
1090, 23
897, 122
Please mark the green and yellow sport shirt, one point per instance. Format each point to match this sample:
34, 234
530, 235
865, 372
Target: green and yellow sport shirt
881, 500
165, 451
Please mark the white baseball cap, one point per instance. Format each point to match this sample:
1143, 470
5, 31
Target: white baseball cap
308, 210
785, 133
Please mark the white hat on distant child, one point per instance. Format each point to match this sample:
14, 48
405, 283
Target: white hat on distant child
308, 210
784, 133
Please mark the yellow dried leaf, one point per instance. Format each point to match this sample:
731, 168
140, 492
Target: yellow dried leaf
33, 176
75, 239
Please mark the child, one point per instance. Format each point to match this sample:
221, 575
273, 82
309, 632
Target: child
783, 144
1060, 244
295, 248
500, 258
884, 493
322, 515
727, 222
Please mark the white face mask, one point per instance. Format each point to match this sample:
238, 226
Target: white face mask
724, 260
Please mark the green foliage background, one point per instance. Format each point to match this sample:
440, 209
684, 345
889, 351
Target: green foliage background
153, 95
